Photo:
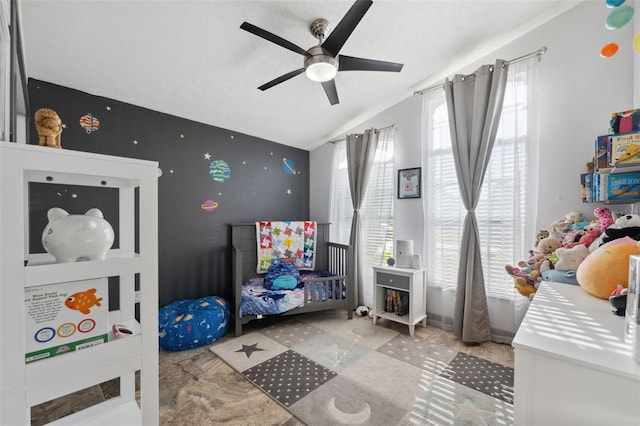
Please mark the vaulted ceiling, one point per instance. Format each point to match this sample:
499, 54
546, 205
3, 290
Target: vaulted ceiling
191, 59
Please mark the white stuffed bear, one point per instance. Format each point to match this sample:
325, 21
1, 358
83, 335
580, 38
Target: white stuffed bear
570, 258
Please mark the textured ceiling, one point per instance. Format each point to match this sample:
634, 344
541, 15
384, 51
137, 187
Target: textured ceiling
191, 59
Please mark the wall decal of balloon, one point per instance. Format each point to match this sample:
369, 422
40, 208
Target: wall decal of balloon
89, 123
614, 3
219, 171
609, 50
619, 17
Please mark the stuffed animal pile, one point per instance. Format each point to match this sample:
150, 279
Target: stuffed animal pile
593, 254
559, 252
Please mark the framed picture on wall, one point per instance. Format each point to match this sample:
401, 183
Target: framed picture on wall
409, 182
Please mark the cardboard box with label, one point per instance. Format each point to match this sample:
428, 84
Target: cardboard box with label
65, 317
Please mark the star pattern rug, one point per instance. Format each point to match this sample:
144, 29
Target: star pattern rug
335, 372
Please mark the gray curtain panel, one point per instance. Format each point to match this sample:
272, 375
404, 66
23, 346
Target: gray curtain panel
474, 103
361, 150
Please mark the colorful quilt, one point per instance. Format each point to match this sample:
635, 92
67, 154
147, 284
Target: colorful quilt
289, 241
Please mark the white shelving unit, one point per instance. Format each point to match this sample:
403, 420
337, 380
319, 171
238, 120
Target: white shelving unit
26, 385
412, 281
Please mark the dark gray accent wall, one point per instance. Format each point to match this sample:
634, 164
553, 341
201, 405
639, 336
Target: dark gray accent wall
267, 180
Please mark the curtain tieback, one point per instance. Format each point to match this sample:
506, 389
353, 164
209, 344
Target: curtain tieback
471, 211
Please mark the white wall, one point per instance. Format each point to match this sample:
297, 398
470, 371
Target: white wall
578, 92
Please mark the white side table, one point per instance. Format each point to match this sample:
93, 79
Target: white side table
412, 281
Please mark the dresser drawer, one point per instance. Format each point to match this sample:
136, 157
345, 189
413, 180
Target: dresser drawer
391, 280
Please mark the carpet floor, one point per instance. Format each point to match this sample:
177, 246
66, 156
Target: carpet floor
322, 369
327, 370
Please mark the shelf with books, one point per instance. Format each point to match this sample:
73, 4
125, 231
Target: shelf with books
614, 175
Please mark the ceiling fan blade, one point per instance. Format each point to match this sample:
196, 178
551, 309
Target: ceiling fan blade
345, 27
331, 91
281, 79
273, 38
349, 63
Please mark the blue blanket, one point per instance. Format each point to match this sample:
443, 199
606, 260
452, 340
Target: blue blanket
258, 300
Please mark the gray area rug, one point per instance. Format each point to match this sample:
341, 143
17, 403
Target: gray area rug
354, 373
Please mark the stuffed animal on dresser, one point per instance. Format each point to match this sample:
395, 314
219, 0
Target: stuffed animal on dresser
625, 226
49, 127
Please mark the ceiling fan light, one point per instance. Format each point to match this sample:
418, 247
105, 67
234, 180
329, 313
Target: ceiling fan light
321, 72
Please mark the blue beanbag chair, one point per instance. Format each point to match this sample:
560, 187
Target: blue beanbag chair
188, 324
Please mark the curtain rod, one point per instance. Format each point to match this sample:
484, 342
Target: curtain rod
537, 53
393, 126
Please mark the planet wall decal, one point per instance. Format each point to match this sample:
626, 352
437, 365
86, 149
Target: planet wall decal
288, 167
89, 123
209, 205
219, 171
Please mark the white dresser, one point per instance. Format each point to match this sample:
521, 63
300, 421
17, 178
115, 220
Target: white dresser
572, 364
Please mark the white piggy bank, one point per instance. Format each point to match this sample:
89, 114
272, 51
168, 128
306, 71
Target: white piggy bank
70, 238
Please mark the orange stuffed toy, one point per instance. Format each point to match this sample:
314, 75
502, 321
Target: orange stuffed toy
607, 267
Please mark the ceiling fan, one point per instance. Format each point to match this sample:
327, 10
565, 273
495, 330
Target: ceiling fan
322, 62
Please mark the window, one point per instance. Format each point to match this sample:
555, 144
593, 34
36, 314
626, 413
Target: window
376, 211
501, 211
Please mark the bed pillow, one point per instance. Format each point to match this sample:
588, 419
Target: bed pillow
282, 276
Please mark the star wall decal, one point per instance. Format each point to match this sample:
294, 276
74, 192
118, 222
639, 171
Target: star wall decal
108, 108
207, 156
135, 142
249, 349
64, 126
74, 195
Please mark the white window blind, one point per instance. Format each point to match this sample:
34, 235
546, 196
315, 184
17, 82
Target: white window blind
501, 211
377, 209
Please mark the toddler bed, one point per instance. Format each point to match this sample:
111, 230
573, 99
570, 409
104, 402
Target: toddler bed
325, 281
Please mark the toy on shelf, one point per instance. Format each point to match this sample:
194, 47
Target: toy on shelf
618, 300
49, 127
625, 226
605, 217
607, 267
70, 238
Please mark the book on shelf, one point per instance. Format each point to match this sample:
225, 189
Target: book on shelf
396, 301
623, 186
587, 178
601, 158
625, 149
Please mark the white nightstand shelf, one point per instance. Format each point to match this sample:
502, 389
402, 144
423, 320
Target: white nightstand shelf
411, 281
